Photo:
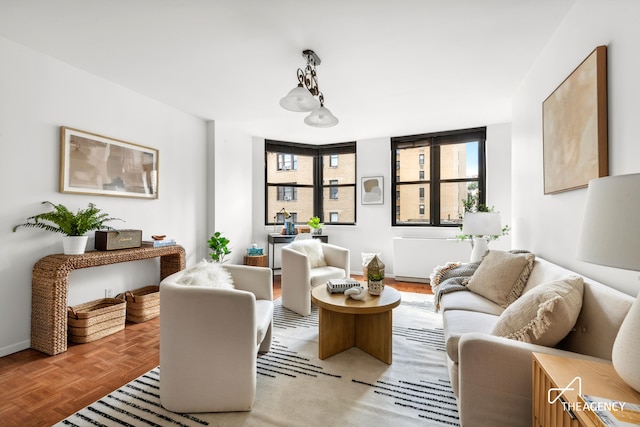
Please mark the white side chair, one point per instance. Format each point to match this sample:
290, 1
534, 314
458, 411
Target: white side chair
209, 340
307, 264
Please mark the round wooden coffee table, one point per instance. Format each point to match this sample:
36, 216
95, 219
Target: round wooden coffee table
345, 322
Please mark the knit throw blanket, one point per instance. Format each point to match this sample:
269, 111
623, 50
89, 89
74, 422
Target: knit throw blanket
451, 277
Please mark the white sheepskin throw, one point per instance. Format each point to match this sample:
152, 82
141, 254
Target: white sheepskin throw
312, 248
207, 274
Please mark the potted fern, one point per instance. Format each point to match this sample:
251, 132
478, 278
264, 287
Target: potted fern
73, 225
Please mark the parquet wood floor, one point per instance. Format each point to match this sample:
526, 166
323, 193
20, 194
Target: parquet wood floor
39, 390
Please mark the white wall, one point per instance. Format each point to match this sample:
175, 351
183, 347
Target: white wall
549, 225
373, 231
40, 94
233, 201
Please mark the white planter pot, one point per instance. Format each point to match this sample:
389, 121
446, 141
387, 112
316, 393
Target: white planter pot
74, 245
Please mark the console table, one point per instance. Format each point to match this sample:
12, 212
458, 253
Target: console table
50, 282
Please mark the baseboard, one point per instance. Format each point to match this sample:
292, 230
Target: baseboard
10, 349
412, 279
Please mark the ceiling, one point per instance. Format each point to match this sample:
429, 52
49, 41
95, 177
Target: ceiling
389, 68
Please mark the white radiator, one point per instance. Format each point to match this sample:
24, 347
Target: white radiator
414, 258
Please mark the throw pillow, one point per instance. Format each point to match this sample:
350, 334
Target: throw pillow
312, 248
502, 276
207, 274
545, 314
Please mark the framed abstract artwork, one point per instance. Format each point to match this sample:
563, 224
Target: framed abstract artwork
372, 191
574, 120
96, 164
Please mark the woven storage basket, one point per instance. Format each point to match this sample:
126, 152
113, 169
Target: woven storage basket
142, 304
96, 319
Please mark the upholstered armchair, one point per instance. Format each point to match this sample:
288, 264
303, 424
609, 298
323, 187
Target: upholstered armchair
210, 337
307, 264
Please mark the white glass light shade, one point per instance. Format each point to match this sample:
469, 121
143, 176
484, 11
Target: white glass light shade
481, 224
299, 99
609, 234
321, 118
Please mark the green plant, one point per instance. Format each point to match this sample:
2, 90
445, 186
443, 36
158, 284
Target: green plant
376, 277
62, 220
218, 244
314, 222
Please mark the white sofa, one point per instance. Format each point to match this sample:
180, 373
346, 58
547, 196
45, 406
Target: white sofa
491, 375
210, 338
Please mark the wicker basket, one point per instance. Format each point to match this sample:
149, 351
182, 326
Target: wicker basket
142, 304
96, 319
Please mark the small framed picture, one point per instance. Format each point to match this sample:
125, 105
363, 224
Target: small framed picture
96, 164
372, 191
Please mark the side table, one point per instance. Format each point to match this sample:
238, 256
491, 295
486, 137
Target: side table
255, 260
559, 380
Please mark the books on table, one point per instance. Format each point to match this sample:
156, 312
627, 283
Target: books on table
158, 243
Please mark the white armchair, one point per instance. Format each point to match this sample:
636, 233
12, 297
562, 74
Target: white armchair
209, 340
307, 264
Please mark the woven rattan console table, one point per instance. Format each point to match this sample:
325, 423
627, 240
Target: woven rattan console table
50, 282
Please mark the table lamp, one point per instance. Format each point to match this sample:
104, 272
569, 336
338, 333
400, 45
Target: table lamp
610, 236
481, 226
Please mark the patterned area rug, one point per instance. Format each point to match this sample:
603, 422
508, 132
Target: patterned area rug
295, 388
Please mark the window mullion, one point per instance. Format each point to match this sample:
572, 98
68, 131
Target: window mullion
434, 187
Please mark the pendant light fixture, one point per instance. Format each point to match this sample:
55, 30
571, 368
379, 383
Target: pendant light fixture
302, 98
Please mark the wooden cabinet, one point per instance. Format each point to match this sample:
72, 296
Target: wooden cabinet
558, 381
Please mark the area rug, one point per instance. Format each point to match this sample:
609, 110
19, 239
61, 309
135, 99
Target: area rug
295, 388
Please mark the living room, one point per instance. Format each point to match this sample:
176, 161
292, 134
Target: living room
41, 93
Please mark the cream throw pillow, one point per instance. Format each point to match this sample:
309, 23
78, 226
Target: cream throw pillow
207, 274
545, 314
502, 276
312, 248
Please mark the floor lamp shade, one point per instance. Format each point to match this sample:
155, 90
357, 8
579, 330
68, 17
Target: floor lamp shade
610, 236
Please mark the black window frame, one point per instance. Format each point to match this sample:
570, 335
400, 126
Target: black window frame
317, 152
434, 141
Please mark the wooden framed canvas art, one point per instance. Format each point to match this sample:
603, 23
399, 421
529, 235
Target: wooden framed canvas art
575, 127
96, 164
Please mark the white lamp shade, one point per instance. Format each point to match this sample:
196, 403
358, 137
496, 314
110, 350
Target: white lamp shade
481, 224
299, 99
609, 236
610, 230
321, 118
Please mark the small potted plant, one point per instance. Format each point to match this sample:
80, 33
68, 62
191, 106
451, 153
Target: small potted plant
73, 225
314, 222
218, 245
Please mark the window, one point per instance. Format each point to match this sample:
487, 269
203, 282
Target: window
333, 189
287, 193
451, 169
308, 180
287, 162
